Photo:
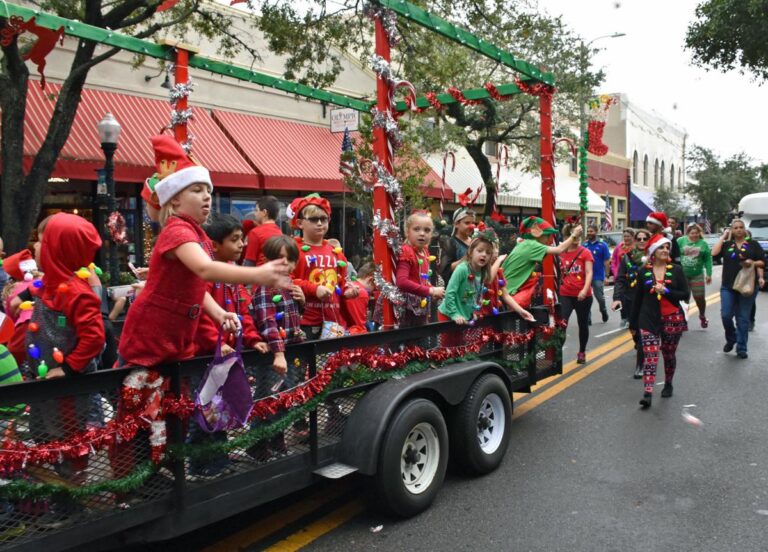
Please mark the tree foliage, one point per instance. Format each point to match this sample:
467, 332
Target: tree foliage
670, 202
721, 184
730, 34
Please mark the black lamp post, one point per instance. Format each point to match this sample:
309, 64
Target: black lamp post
109, 132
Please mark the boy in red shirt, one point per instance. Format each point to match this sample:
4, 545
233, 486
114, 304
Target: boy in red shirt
356, 310
267, 211
321, 271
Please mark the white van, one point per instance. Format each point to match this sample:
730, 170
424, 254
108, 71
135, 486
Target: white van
754, 212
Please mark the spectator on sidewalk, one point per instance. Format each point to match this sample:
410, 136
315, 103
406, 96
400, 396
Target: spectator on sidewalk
602, 260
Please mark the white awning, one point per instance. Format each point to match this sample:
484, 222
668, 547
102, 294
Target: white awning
518, 188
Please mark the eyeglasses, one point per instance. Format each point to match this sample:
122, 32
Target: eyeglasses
317, 220
641, 239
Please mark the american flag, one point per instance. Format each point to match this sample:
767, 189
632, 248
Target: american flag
608, 220
347, 161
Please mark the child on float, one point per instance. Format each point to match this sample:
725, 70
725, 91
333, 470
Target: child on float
356, 310
22, 270
65, 336
162, 323
413, 271
464, 294
321, 270
276, 313
520, 265
226, 245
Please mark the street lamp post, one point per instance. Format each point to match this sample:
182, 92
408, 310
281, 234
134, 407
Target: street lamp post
584, 67
109, 132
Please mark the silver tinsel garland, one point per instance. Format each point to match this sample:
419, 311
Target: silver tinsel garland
181, 117
388, 290
388, 20
179, 91
389, 231
383, 119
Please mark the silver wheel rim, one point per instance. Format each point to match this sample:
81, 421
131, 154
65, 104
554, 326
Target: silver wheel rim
419, 458
491, 422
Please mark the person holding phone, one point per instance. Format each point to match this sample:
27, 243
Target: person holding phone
739, 251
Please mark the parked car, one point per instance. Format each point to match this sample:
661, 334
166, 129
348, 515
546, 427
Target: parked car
611, 238
711, 240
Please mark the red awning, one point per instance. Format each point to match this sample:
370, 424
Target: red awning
139, 118
294, 156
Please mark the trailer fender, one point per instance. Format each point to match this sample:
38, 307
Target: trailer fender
368, 422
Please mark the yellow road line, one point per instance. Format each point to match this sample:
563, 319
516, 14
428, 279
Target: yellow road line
273, 523
315, 530
547, 394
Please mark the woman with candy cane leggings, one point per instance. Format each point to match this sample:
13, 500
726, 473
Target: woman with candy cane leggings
658, 316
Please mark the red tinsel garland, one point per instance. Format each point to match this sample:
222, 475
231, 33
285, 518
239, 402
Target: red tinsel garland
145, 401
536, 89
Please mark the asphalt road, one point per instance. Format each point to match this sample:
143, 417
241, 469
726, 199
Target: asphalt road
586, 468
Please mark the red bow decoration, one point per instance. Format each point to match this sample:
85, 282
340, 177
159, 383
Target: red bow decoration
46, 41
466, 198
498, 217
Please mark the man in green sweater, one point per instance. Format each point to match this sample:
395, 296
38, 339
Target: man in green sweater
696, 258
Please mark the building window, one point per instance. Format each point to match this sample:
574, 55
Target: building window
645, 171
672, 176
621, 205
680, 182
661, 175
574, 165
634, 169
656, 174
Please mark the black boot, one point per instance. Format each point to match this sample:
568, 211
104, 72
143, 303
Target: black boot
645, 402
638, 371
667, 391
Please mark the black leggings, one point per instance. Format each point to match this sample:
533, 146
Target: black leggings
582, 308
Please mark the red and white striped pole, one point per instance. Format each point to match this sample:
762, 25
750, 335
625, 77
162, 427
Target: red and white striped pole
452, 156
547, 188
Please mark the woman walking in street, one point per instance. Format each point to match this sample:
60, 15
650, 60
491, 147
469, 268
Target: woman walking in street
657, 314
624, 289
696, 258
576, 288
617, 258
738, 251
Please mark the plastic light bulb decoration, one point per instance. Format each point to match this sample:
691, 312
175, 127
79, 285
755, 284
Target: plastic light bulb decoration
58, 356
42, 369
34, 351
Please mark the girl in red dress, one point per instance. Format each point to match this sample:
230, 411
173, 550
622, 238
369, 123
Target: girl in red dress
413, 271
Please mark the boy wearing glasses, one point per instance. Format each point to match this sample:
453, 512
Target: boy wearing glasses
321, 271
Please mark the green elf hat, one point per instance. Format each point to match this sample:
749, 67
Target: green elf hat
534, 227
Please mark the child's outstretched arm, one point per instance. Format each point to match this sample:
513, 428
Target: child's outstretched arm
515, 306
273, 273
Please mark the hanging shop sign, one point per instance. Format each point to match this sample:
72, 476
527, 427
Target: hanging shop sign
344, 118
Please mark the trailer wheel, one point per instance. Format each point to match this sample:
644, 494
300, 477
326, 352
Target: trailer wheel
413, 459
481, 426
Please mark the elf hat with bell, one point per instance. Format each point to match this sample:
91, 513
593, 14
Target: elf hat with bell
175, 169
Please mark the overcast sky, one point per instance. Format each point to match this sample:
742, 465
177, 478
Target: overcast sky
725, 112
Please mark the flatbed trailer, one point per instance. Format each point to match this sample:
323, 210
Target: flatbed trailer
399, 431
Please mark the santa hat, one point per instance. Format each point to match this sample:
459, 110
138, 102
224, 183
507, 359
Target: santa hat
655, 242
175, 169
293, 212
18, 265
533, 227
657, 217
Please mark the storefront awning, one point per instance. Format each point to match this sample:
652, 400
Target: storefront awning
640, 204
518, 188
139, 118
291, 155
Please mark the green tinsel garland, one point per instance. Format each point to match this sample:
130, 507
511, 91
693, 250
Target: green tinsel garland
21, 489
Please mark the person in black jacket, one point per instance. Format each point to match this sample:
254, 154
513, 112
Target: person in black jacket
658, 315
630, 264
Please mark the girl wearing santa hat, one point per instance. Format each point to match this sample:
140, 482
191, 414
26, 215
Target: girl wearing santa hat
161, 324
658, 315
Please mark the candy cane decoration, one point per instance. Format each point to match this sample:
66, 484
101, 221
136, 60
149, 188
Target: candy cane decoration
442, 190
502, 153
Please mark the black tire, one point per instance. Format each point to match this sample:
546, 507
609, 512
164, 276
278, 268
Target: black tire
397, 491
490, 393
